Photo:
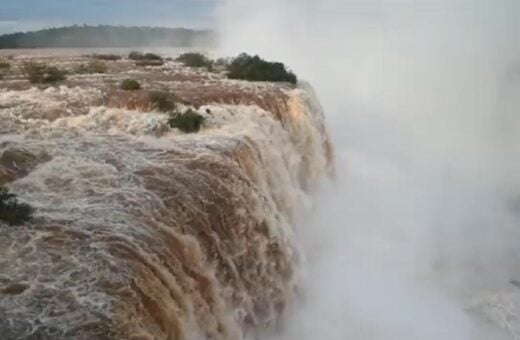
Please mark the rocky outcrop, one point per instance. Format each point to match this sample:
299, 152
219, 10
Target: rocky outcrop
16, 163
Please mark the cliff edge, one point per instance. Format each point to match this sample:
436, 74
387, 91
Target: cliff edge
143, 231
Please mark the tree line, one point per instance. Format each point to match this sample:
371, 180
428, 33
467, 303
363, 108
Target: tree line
108, 36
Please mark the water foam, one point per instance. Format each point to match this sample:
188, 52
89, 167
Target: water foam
144, 231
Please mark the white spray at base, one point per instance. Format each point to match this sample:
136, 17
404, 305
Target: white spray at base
419, 237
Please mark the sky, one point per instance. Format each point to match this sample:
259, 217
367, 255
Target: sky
23, 15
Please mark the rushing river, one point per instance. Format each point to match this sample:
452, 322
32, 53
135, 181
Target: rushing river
144, 232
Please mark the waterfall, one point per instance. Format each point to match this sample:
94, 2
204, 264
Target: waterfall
143, 232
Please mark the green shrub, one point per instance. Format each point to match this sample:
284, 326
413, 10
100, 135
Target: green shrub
194, 59
254, 68
146, 56
91, 67
130, 85
222, 62
189, 121
152, 56
162, 101
149, 62
12, 211
134, 55
107, 57
4, 66
40, 73
81, 69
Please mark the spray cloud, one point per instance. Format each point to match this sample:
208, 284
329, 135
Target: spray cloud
419, 237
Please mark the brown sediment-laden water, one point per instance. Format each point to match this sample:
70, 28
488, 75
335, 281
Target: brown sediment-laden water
142, 231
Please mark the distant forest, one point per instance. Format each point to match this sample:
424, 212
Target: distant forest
108, 36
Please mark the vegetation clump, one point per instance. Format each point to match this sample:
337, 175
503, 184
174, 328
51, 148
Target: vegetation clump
134, 55
222, 62
40, 73
137, 56
163, 101
149, 63
108, 36
253, 68
13, 211
130, 85
4, 66
152, 56
107, 57
188, 121
196, 60
92, 67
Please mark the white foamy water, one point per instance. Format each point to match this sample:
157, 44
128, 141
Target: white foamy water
142, 231
419, 237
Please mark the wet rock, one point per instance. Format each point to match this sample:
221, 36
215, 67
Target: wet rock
16, 163
15, 289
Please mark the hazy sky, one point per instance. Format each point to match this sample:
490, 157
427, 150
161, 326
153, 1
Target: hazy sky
20, 15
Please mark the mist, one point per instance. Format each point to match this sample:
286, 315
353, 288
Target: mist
418, 236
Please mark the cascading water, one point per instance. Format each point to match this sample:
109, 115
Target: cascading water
419, 236
146, 233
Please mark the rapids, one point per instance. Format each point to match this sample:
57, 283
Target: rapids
143, 232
